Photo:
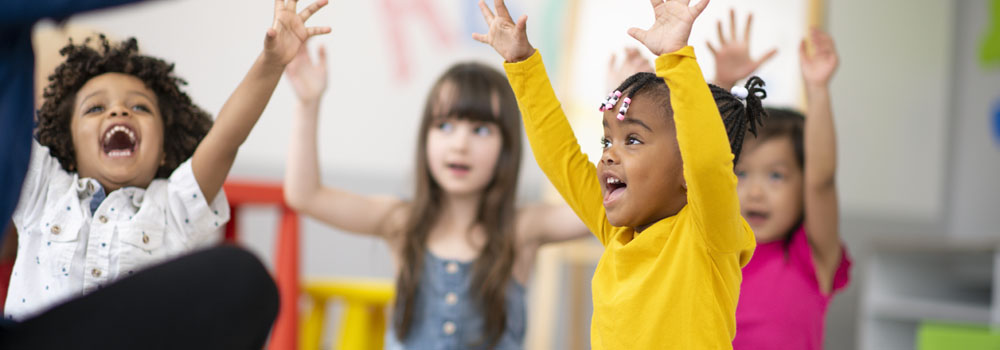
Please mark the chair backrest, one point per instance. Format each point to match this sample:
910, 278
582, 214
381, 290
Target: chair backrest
284, 335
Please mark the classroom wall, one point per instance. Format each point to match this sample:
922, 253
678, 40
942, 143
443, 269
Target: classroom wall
892, 99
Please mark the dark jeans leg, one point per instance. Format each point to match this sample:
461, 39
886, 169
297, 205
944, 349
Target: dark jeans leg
220, 298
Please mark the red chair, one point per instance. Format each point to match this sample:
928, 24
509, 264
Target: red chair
284, 336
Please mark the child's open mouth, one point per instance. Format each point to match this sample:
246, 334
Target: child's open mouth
459, 169
119, 141
755, 217
614, 187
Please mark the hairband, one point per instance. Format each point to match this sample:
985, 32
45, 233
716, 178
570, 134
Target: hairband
621, 111
740, 92
611, 101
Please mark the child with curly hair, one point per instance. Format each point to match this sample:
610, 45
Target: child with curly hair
126, 171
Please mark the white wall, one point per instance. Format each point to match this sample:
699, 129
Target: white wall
974, 190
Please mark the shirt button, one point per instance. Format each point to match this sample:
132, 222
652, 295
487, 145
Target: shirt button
55, 229
104, 219
452, 267
95, 273
451, 298
448, 328
145, 239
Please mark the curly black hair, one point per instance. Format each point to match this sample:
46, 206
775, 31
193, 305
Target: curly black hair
738, 117
184, 123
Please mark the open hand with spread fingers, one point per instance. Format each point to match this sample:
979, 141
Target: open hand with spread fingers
732, 57
308, 76
508, 38
288, 31
819, 65
672, 28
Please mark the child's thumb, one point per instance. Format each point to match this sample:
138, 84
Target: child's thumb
638, 34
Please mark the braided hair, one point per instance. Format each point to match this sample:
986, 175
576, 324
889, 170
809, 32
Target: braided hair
737, 117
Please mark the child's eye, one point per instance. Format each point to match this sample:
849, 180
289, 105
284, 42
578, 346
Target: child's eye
95, 109
631, 140
777, 176
446, 126
141, 108
482, 130
605, 143
740, 174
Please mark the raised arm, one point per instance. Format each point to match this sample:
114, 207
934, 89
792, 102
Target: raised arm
552, 140
821, 211
701, 135
732, 58
303, 190
214, 156
551, 223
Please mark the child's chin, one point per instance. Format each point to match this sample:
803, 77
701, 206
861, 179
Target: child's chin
616, 219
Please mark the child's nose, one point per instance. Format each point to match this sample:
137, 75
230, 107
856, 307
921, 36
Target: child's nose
610, 156
117, 111
460, 139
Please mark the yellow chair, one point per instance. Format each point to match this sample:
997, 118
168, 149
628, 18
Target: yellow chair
362, 326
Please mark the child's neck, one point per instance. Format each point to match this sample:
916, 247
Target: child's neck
459, 212
455, 234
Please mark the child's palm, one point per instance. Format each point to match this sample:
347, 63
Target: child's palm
818, 67
288, 32
308, 77
509, 39
732, 57
672, 28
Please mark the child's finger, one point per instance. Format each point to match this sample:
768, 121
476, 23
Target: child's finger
311, 9
321, 56
291, 4
722, 37
501, 9
655, 2
311, 31
278, 5
638, 34
522, 24
480, 38
766, 57
732, 24
746, 33
699, 7
487, 14
712, 49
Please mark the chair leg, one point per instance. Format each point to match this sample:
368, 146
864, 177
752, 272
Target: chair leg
312, 325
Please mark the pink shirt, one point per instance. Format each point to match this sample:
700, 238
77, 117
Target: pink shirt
781, 306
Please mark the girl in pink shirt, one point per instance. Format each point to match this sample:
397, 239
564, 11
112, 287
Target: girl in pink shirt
789, 197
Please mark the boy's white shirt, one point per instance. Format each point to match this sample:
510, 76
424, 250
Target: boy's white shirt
64, 251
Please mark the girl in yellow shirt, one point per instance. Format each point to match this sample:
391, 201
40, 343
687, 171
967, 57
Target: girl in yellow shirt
663, 197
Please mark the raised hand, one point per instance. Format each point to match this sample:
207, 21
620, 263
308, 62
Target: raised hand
672, 28
308, 77
732, 57
508, 38
631, 63
288, 32
818, 66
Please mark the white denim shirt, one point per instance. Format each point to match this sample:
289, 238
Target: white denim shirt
64, 251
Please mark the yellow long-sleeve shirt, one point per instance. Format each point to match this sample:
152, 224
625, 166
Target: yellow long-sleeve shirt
675, 285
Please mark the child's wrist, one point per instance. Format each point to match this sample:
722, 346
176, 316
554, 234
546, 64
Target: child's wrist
817, 87
523, 56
